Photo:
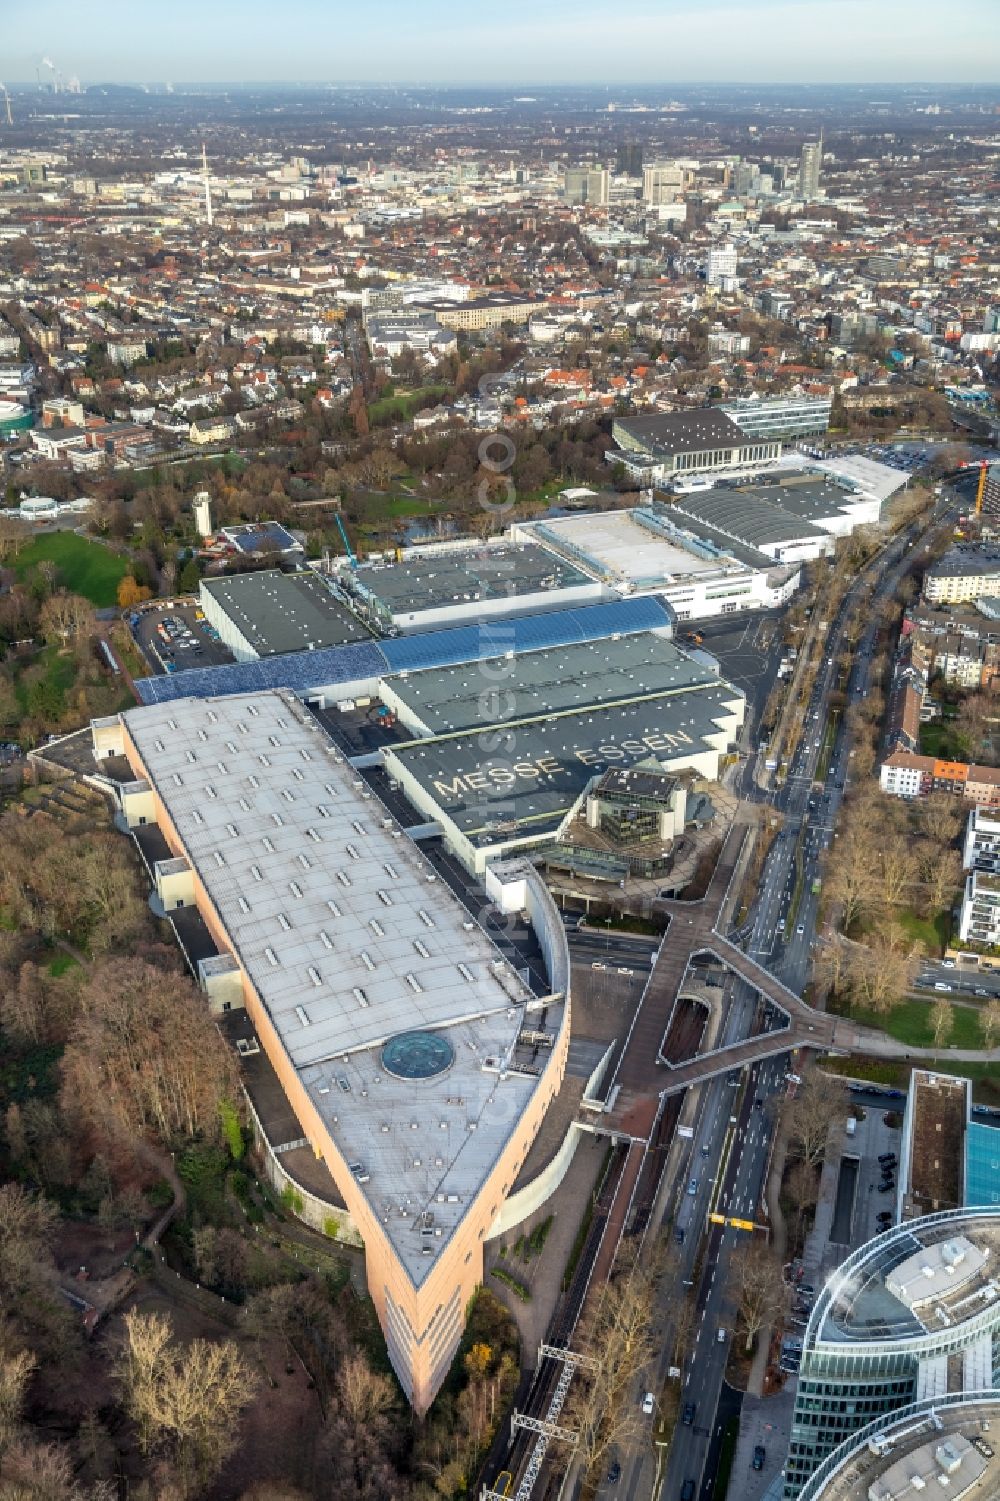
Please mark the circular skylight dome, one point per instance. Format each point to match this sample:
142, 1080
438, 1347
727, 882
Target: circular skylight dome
417, 1055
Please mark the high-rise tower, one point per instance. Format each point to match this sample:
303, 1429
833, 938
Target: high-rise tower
809, 165
208, 185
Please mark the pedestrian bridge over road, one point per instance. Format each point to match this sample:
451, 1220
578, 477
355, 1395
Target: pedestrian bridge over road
644, 1075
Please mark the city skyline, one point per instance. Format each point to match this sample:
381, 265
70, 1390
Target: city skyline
772, 41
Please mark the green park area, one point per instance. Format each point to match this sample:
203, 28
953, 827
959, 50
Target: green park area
402, 407
84, 567
933, 932
912, 1022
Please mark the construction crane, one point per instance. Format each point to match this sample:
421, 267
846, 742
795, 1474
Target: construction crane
349, 549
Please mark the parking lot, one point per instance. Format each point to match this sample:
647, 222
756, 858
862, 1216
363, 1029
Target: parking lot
171, 637
851, 1197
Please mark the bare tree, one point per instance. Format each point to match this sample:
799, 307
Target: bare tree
942, 1021
830, 963
942, 878
803, 1188
64, 616
16, 1368
881, 972
145, 1056
896, 863
366, 1395
755, 1285
44, 1472
852, 876
976, 714
618, 1335
185, 1400
989, 1022
808, 1115
940, 817
14, 534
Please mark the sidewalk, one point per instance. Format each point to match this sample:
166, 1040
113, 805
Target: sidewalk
543, 1274
779, 1244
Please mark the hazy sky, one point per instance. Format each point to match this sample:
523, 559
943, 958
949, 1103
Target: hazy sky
559, 41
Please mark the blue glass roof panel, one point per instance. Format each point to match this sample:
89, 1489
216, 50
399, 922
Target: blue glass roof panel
982, 1165
299, 670
492, 638
305, 670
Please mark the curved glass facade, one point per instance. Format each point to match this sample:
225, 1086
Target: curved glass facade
866, 1353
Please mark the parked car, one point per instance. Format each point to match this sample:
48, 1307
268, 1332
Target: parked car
614, 1473
687, 1417
648, 1403
759, 1456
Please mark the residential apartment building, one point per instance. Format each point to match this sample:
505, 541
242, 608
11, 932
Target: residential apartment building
979, 921
904, 774
966, 572
981, 849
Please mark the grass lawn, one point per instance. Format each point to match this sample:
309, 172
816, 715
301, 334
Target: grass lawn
84, 567
940, 739
60, 964
932, 932
52, 674
402, 506
910, 1021
402, 407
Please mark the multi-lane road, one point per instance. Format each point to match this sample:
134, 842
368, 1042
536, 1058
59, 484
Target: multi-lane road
779, 935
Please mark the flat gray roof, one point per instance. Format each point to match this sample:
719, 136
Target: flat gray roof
871, 1301
750, 517
967, 560
430, 581
693, 431
496, 784
812, 497
948, 1449
878, 480
632, 554
284, 612
349, 938
597, 673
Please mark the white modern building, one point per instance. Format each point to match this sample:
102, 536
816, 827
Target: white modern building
720, 264
647, 550
979, 920
784, 417
981, 850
